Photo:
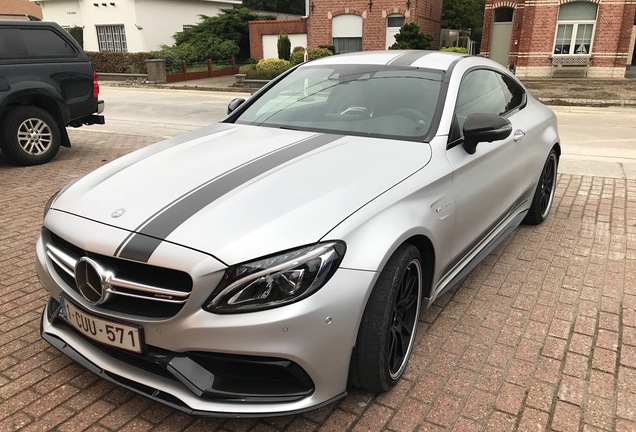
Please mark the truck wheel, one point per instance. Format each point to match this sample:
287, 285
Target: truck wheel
31, 136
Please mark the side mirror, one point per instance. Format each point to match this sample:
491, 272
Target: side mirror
482, 127
234, 104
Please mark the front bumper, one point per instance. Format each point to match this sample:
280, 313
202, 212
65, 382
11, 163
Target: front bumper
301, 352
172, 378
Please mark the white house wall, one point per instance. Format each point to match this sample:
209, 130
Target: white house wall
160, 19
148, 23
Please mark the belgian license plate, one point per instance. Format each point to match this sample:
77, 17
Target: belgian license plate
110, 333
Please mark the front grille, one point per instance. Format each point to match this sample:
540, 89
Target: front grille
134, 288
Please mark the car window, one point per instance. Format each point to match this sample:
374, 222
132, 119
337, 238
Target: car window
369, 100
33, 42
486, 91
11, 45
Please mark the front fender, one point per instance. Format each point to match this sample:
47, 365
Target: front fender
421, 205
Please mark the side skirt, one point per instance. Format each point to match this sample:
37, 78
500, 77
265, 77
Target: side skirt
471, 261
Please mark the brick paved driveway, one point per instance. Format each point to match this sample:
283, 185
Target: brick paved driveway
541, 335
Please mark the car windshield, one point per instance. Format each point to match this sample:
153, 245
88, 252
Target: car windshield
368, 100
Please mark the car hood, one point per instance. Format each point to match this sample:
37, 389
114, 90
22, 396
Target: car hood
240, 192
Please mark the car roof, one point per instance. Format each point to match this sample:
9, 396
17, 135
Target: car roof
438, 60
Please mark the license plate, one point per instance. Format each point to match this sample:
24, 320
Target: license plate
110, 333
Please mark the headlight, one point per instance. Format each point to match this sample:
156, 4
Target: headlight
276, 280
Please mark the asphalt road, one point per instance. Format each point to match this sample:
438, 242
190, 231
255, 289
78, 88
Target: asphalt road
161, 113
595, 141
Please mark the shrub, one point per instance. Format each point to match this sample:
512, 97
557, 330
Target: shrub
298, 48
78, 34
410, 37
313, 54
331, 48
284, 47
271, 67
460, 50
247, 68
119, 62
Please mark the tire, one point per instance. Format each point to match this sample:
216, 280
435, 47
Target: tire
31, 136
544, 194
389, 323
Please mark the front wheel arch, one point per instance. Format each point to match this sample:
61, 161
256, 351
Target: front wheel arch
386, 334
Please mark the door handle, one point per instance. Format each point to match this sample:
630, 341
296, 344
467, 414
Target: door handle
519, 134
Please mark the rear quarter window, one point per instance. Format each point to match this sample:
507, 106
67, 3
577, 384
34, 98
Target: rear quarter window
41, 42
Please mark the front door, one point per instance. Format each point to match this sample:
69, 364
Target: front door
488, 183
500, 35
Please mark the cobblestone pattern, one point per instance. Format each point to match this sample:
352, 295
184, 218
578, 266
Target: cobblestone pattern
541, 335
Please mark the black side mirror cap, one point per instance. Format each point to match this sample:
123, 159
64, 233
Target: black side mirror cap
483, 127
234, 104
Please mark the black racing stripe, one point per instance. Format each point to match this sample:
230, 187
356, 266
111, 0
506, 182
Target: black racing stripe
408, 58
141, 245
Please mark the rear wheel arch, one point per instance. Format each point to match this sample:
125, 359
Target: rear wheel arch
45, 103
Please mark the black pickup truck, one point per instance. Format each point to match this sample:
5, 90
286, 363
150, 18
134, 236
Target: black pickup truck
46, 83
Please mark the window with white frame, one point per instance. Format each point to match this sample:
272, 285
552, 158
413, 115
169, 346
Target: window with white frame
111, 38
346, 31
575, 28
394, 23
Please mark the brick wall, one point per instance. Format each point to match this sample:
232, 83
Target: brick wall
425, 13
534, 27
20, 7
260, 28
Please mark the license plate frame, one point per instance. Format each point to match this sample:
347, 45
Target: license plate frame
114, 334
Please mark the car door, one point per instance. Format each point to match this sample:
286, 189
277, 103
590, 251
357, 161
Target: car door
488, 184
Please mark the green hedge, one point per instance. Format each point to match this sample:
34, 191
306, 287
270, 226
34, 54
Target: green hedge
265, 69
313, 54
460, 50
118, 62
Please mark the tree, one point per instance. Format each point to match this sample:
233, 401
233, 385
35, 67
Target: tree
296, 7
231, 25
464, 15
410, 37
284, 47
78, 34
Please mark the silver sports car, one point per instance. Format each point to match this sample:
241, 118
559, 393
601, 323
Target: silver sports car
265, 264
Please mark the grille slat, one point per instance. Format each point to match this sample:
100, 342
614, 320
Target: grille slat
137, 288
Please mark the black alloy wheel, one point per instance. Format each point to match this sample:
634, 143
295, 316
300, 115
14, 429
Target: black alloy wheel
387, 331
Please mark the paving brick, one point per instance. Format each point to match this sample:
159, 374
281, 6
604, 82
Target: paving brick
499, 421
566, 417
374, 418
604, 360
340, 420
599, 412
572, 390
541, 395
510, 398
533, 421
479, 405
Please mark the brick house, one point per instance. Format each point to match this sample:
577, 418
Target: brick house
20, 7
546, 38
358, 25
